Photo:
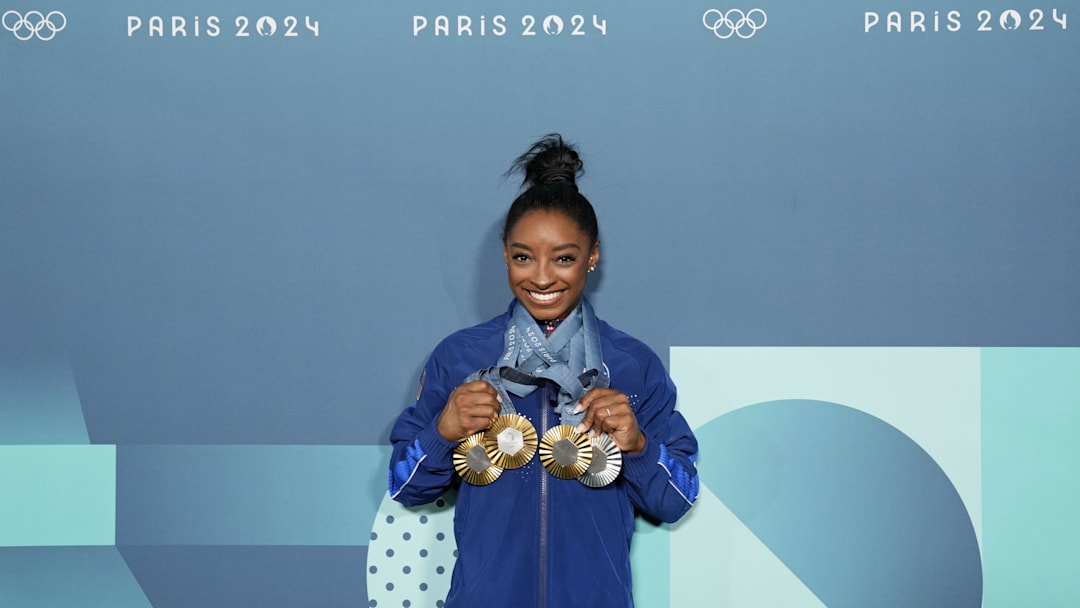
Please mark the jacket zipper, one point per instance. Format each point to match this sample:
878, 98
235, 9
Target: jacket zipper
542, 594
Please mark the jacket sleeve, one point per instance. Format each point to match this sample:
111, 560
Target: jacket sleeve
662, 479
421, 464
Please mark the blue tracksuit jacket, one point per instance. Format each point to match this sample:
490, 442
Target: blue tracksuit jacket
529, 538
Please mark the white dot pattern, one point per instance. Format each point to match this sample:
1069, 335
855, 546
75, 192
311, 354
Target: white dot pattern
411, 554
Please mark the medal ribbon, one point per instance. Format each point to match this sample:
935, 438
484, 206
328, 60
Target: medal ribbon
530, 357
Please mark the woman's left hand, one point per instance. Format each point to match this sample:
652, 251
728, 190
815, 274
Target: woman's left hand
608, 410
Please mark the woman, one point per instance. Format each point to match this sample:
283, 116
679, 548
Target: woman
554, 528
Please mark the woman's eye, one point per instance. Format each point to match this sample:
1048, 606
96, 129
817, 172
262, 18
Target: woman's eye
520, 257
567, 259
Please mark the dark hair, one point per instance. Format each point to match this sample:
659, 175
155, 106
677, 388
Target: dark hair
550, 168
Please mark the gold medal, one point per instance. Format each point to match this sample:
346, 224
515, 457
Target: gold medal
511, 441
565, 453
473, 462
605, 465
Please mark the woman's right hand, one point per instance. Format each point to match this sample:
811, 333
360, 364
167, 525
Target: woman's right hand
469, 410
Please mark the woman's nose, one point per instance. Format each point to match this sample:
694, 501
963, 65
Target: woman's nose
543, 277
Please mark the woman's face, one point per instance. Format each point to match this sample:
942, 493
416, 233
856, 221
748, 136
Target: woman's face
547, 258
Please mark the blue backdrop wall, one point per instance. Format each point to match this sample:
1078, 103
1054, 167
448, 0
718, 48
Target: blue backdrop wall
230, 232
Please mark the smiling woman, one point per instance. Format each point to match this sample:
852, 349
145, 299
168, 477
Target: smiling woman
551, 236
547, 257
546, 379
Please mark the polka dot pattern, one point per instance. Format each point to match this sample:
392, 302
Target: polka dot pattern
411, 554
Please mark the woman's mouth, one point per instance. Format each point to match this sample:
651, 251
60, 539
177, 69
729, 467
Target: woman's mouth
544, 296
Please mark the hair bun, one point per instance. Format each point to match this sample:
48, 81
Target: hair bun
549, 161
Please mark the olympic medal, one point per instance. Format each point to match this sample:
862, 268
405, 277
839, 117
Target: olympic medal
565, 453
473, 463
511, 441
605, 465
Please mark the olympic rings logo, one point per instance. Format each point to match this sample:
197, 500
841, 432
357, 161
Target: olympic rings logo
34, 23
734, 22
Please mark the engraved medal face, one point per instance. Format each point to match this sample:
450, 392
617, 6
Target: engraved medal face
476, 459
511, 441
473, 463
606, 463
565, 453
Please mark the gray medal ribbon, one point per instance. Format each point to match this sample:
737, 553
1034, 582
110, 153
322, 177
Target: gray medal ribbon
530, 357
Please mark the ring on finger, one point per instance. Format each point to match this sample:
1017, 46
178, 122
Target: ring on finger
608, 410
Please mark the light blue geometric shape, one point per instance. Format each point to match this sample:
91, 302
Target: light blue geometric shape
412, 553
855, 508
67, 577
735, 568
39, 403
650, 563
930, 394
57, 495
1031, 488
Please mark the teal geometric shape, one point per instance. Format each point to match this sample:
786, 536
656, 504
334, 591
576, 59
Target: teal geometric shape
650, 562
412, 553
854, 507
1031, 488
67, 577
57, 495
39, 403
932, 393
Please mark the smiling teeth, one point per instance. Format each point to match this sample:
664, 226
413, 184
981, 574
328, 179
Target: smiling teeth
544, 297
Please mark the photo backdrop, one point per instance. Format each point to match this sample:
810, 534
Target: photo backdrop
231, 232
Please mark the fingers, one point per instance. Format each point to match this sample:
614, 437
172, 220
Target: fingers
478, 387
478, 394
477, 400
609, 411
606, 410
470, 409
